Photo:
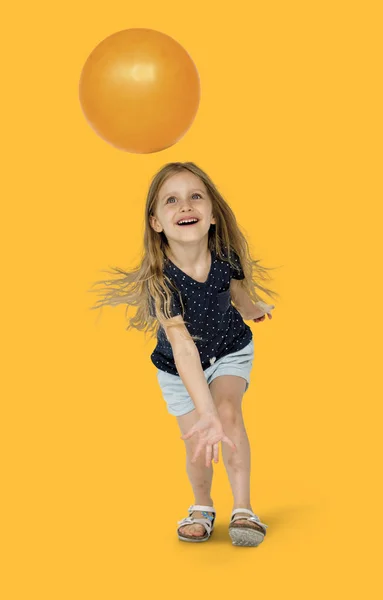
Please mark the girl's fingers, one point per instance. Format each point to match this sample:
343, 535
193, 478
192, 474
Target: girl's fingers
196, 454
211, 450
187, 435
263, 318
208, 454
258, 319
216, 453
228, 441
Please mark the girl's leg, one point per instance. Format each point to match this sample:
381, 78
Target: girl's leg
200, 476
227, 392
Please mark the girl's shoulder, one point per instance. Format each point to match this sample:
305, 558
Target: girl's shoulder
231, 257
236, 271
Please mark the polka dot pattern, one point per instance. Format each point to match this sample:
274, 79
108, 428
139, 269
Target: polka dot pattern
209, 313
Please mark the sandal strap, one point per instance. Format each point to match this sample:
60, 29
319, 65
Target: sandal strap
253, 517
200, 507
242, 510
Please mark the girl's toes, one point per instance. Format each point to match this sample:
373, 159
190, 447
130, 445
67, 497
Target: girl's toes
192, 530
198, 531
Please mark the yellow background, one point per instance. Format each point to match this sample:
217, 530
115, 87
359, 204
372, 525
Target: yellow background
93, 468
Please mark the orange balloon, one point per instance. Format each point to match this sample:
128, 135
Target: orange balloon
139, 90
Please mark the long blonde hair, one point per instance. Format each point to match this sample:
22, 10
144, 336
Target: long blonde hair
148, 283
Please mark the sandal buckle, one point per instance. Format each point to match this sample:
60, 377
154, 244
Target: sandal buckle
207, 516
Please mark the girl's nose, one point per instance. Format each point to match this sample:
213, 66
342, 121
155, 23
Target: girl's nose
186, 205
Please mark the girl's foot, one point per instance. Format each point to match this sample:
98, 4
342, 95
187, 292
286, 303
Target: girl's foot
195, 530
248, 531
246, 523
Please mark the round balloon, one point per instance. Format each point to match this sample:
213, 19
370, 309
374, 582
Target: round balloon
139, 90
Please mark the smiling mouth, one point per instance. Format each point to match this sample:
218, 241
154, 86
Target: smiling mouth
186, 223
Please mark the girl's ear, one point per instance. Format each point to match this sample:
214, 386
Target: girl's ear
155, 224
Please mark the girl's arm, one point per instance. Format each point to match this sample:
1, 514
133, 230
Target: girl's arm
189, 367
208, 427
248, 309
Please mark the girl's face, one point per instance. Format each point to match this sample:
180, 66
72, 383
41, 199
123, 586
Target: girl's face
183, 196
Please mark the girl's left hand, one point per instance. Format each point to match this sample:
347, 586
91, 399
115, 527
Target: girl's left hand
260, 311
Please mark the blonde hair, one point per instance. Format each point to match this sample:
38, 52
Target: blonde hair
148, 283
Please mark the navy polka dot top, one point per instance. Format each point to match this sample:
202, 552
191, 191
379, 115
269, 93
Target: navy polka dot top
210, 313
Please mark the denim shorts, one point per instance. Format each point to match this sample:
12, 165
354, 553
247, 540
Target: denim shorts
176, 395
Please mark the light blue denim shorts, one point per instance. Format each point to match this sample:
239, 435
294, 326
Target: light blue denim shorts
176, 395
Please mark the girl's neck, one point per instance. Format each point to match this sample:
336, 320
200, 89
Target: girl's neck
189, 257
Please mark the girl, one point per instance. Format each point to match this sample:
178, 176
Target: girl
196, 260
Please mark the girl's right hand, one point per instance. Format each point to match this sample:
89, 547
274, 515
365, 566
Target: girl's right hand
210, 432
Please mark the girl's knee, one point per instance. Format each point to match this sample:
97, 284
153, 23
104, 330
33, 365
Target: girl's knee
230, 413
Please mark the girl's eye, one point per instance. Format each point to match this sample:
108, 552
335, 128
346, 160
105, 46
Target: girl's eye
172, 197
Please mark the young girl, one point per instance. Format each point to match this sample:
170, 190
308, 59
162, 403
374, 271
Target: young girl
196, 260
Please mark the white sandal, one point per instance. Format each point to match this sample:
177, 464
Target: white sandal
241, 535
207, 522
